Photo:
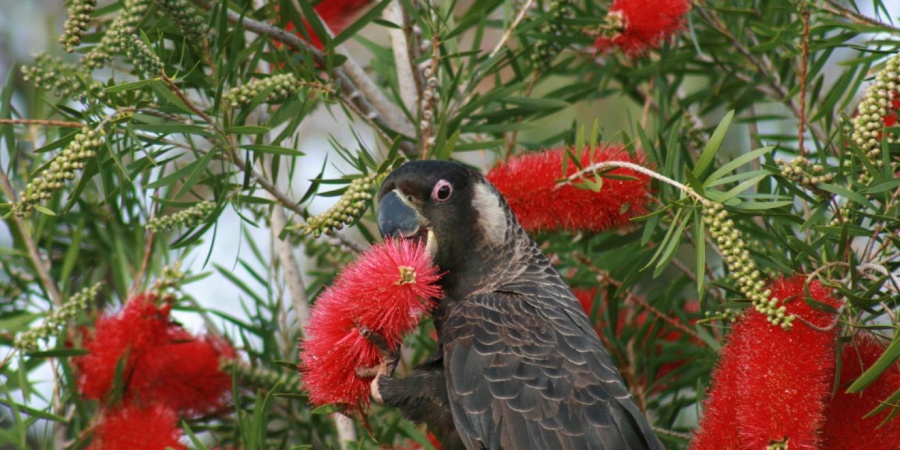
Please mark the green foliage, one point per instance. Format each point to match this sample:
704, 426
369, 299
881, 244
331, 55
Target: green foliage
174, 117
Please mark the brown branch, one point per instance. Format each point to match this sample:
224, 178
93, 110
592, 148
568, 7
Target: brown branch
42, 122
763, 67
855, 17
804, 62
357, 88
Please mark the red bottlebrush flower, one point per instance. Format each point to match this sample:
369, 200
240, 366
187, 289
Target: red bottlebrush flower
529, 183
640, 25
890, 119
845, 427
718, 427
185, 373
133, 428
137, 329
386, 290
776, 381
163, 362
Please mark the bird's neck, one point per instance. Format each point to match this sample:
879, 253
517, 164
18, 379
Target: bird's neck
490, 268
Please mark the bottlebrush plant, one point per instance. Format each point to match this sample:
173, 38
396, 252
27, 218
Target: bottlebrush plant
689, 162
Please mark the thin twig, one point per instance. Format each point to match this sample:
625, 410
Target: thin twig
357, 88
512, 28
42, 122
599, 166
804, 62
838, 9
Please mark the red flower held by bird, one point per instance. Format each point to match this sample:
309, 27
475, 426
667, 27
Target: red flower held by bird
387, 291
845, 425
773, 382
530, 185
637, 26
134, 428
163, 363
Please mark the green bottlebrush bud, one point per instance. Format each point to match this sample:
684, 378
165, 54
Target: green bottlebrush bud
188, 217
188, 18
63, 79
122, 28
83, 147
348, 209
283, 86
263, 377
545, 50
79, 15
743, 269
142, 57
28, 341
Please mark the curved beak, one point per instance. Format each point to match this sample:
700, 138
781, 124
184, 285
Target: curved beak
396, 218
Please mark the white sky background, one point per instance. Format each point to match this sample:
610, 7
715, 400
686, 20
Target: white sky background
28, 27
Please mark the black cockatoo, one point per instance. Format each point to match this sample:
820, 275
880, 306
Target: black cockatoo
518, 365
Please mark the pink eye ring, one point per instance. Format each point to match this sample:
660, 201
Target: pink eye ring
441, 191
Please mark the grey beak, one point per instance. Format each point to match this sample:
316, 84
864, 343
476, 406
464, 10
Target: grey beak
395, 218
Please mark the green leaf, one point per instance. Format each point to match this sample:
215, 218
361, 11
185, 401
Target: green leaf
273, 149
44, 210
247, 129
735, 163
888, 358
59, 353
712, 147
129, 86
35, 412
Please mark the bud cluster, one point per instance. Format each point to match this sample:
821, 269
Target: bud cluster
741, 267
429, 97
187, 17
61, 169
170, 277
875, 108
726, 315
803, 172
63, 79
187, 217
79, 15
283, 85
123, 27
349, 207
545, 50
28, 341
142, 57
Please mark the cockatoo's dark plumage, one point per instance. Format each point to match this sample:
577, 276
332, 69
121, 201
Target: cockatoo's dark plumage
519, 365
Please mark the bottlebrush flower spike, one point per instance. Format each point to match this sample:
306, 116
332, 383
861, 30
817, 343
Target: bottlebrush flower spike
133, 428
845, 427
718, 426
165, 364
386, 290
637, 26
139, 327
529, 182
776, 381
185, 374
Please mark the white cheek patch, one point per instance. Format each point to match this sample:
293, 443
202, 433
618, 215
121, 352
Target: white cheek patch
431, 244
491, 216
